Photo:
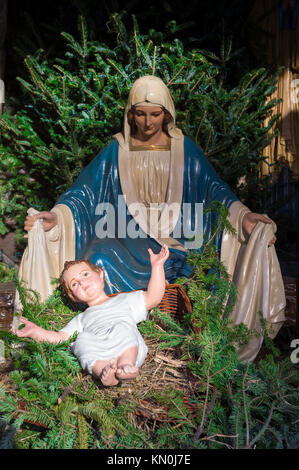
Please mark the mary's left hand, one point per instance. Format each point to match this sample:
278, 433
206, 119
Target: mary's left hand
251, 219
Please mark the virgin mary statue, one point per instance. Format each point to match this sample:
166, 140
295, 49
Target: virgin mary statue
149, 186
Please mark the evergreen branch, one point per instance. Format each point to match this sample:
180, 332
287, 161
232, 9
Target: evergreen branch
197, 82
40, 85
117, 67
209, 438
135, 35
67, 390
208, 140
200, 124
64, 72
38, 155
183, 415
264, 428
84, 38
143, 52
154, 61
235, 404
245, 408
66, 359
220, 370
9, 126
291, 405
205, 410
173, 78
207, 413
74, 44
82, 426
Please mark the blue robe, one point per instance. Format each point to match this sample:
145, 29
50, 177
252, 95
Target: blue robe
126, 260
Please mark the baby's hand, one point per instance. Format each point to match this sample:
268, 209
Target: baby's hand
159, 258
28, 331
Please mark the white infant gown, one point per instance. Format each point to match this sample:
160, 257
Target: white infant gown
107, 330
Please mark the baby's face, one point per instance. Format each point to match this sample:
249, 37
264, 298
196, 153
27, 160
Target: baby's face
86, 285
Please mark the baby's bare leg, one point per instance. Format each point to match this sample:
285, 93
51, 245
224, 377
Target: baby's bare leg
105, 370
126, 368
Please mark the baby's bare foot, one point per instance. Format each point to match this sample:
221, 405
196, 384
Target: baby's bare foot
126, 372
108, 377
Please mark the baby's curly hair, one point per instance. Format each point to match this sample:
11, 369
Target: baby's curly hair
67, 265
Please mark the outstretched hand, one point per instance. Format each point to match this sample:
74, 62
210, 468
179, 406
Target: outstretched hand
159, 258
251, 219
28, 331
156, 286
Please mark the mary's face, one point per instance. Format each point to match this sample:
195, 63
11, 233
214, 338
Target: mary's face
148, 120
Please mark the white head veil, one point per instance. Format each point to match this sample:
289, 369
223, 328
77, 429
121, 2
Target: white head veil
149, 90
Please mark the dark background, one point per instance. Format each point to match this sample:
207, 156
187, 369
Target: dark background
36, 24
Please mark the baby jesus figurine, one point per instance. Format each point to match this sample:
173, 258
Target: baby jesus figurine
108, 345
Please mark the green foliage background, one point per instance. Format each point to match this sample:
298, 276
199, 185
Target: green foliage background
74, 104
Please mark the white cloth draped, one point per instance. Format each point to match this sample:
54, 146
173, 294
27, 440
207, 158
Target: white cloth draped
255, 271
46, 252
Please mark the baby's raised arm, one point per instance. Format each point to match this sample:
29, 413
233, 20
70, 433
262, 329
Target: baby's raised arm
39, 334
156, 286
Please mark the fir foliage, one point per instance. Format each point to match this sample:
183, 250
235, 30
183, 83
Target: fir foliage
234, 405
238, 403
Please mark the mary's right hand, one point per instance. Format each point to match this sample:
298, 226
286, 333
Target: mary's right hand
49, 220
